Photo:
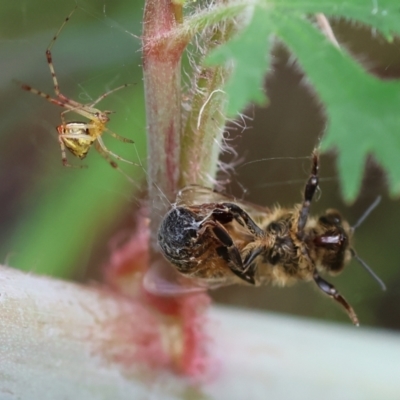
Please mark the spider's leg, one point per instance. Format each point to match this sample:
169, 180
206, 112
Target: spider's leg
118, 137
109, 152
63, 102
79, 108
62, 117
103, 96
77, 136
49, 57
77, 111
104, 152
62, 145
64, 153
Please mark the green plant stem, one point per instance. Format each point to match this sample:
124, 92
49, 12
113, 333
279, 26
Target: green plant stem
181, 155
202, 136
201, 139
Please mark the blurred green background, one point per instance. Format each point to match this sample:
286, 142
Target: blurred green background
54, 217
59, 221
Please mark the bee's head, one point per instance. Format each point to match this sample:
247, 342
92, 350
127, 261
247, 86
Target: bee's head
332, 241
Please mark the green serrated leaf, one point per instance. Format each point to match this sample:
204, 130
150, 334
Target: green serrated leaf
246, 83
249, 50
362, 111
382, 15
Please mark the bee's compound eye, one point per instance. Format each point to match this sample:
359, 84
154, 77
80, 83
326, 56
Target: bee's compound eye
332, 217
274, 227
274, 258
323, 220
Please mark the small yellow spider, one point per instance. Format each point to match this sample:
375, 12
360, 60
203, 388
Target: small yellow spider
78, 137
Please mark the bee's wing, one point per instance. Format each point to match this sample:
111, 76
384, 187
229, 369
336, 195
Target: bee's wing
258, 213
195, 195
163, 280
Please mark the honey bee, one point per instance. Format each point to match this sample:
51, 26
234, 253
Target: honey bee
216, 241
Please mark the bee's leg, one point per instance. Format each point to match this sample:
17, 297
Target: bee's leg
231, 252
247, 276
248, 259
331, 291
235, 212
228, 250
309, 191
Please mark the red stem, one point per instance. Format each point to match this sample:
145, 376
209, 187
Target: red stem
162, 80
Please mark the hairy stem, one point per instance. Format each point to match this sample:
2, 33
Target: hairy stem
205, 122
162, 80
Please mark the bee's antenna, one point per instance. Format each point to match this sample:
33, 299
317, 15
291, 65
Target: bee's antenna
353, 253
368, 269
366, 213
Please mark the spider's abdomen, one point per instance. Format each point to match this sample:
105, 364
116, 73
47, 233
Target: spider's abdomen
76, 138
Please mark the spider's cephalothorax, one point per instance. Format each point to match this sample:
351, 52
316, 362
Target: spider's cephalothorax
217, 240
79, 136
